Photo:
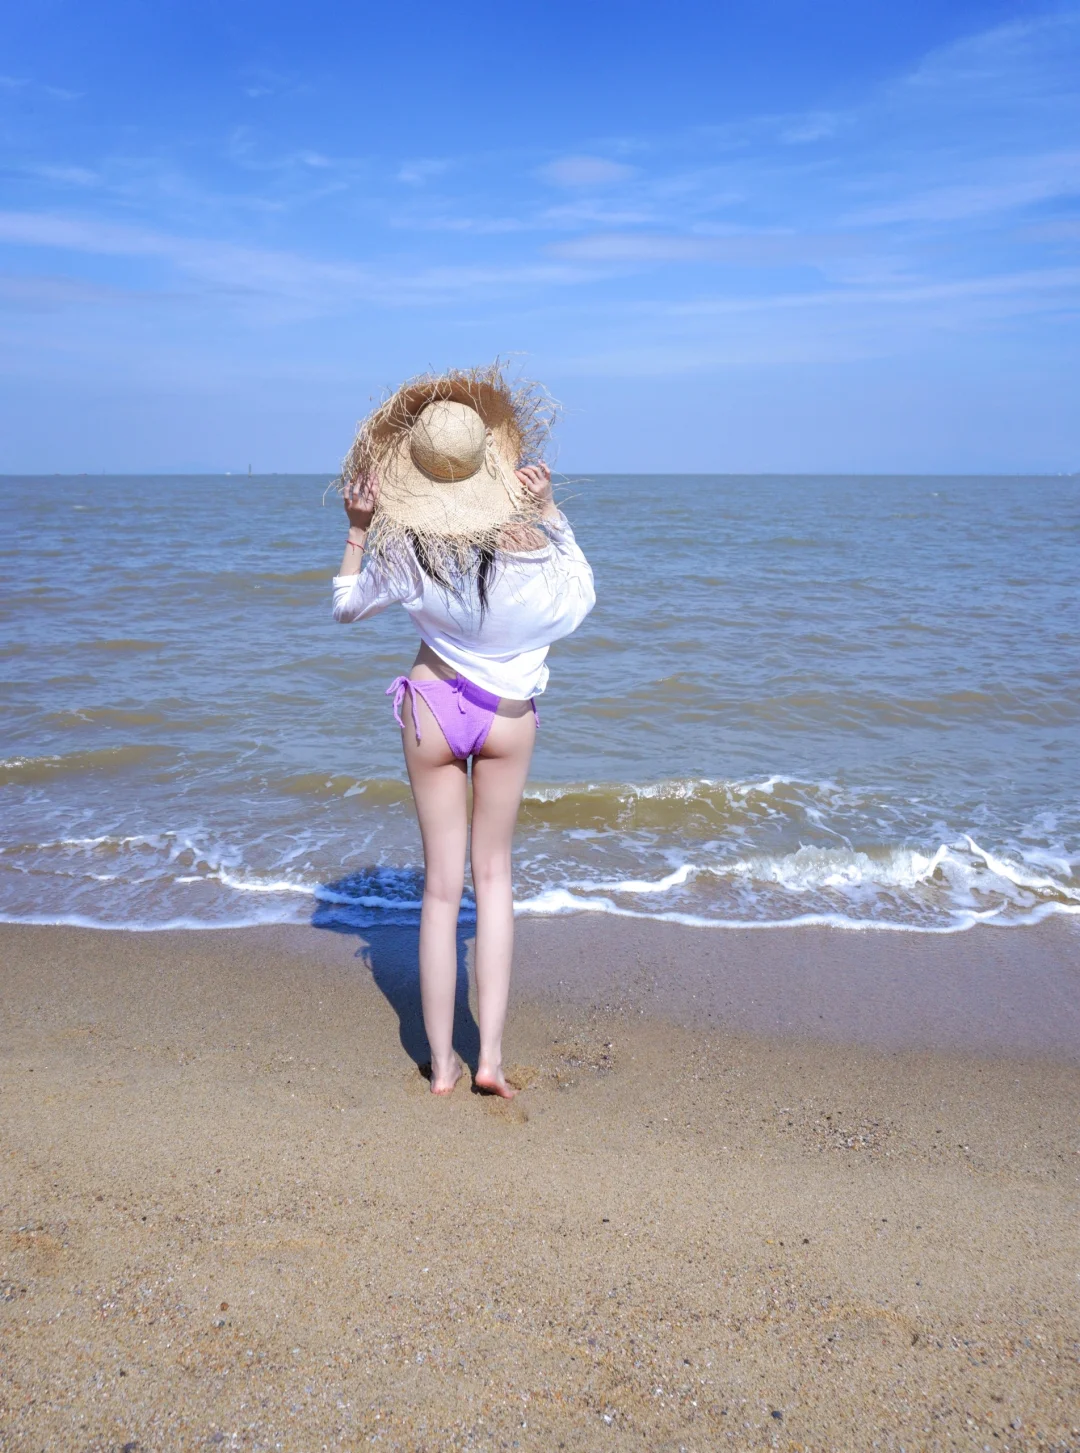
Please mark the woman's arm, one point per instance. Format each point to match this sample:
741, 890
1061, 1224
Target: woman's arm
360, 499
517, 538
359, 594
577, 595
537, 480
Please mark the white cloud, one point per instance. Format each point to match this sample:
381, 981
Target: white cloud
417, 173
1018, 57
747, 249
476, 226
585, 171
217, 264
72, 176
1006, 185
824, 326
1064, 229
260, 81
815, 126
588, 213
283, 283
41, 294
21, 83
1060, 282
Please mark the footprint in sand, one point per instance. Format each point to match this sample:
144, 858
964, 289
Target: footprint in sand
511, 1112
34, 1253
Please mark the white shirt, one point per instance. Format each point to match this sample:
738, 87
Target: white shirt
534, 598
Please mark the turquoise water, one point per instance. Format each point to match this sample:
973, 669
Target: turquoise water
798, 699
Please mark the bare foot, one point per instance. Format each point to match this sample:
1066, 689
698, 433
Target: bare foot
493, 1082
443, 1083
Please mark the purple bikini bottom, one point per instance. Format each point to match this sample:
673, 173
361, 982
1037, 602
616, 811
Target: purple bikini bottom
464, 711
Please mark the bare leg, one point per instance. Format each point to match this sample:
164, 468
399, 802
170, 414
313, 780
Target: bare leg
499, 775
439, 783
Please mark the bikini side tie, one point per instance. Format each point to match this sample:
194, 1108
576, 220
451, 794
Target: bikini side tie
398, 689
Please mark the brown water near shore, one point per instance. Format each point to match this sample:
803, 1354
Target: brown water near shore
233, 1216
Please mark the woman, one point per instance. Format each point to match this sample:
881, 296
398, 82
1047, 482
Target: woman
444, 523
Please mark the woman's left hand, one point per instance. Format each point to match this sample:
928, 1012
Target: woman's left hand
536, 480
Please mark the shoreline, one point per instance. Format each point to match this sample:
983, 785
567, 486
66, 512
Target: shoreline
986, 991
231, 1213
1009, 992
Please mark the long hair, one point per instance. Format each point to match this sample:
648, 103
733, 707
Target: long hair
478, 572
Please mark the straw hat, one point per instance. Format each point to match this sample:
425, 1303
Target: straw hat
444, 449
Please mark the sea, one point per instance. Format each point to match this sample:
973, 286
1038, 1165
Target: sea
800, 700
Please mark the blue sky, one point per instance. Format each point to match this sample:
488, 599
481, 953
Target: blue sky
790, 236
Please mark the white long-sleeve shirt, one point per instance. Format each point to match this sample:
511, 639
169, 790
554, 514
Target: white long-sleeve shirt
534, 597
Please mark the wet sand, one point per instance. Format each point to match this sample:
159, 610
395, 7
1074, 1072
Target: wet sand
804, 1190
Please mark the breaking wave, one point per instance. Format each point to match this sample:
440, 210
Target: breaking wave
767, 853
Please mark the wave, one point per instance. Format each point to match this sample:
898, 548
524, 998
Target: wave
376, 791
804, 870
632, 885
106, 759
674, 803
399, 889
321, 576
149, 925
810, 870
552, 903
125, 644
558, 901
692, 804
113, 716
772, 851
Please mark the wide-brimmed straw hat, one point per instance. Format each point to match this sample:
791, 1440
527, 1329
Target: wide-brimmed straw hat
443, 449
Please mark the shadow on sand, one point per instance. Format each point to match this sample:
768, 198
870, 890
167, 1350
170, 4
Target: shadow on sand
389, 953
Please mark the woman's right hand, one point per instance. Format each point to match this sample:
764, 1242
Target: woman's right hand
360, 498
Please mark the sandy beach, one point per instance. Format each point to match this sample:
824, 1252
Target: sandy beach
721, 1213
